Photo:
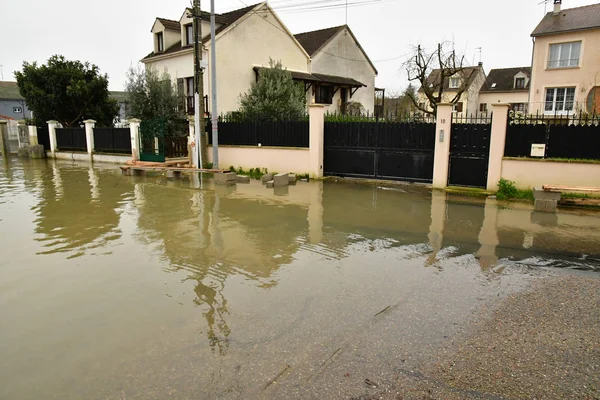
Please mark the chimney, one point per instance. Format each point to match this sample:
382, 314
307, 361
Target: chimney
480, 64
557, 5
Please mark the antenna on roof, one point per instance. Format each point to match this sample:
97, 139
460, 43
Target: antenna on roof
346, 12
480, 50
545, 3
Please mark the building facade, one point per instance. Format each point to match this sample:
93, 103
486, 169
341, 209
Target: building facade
565, 75
506, 85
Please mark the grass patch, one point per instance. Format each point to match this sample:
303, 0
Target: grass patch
508, 191
253, 173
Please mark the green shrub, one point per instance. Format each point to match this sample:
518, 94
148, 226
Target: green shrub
508, 191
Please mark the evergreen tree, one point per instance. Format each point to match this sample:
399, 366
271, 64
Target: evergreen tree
275, 97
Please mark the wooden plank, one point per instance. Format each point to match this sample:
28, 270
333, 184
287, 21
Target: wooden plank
160, 168
579, 202
559, 188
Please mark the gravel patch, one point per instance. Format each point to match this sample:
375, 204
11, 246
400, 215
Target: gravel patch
541, 344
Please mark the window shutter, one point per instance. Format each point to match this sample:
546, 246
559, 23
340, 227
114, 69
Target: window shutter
180, 87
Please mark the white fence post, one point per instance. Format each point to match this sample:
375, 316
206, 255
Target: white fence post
4, 150
134, 129
316, 126
441, 160
52, 135
33, 136
22, 134
497, 143
89, 136
191, 139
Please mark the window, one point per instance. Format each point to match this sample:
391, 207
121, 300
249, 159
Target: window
17, 110
160, 44
559, 100
458, 107
519, 107
520, 83
189, 34
564, 55
454, 83
324, 95
483, 107
189, 86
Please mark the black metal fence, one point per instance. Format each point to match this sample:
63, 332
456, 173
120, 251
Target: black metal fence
44, 137
252, 133
470, 137
112, 140
71, 139
565, 136
176, 146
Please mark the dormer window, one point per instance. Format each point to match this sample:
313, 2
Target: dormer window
454, 82
520, 83
160, 43
189, 34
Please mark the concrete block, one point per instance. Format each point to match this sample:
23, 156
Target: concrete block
23, 152
176, 174
225, 177
270, 184
541, 194
242, 179
304, 180
292, 179
546, 205
281, 180
544, 218
169, 174
266, 178
37, 151
281, 190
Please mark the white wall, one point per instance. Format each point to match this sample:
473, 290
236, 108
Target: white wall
251, 43
529, 173
275, 159
343, 51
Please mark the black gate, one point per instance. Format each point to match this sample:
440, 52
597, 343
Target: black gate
380, 150
469, 151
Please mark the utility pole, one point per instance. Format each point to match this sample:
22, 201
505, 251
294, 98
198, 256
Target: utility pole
213, 75
200, 136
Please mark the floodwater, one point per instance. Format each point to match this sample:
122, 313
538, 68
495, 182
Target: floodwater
118, 287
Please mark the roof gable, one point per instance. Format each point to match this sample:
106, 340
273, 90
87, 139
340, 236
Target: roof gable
315, 41
569, 20
504, 79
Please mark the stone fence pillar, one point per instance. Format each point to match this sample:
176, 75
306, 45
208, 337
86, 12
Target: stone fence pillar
33, 137
442, 145
134, 129
192, 150
316, 114
497, 143
52, 135
22, 134
4, 139
89, 136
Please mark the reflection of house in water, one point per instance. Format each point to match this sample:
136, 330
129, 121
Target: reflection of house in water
78, 208
214, 237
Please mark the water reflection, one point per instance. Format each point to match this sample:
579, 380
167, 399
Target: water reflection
78, 209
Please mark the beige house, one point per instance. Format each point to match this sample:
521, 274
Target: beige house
506, 85
340, 61
566, 61
246, 40
472, 78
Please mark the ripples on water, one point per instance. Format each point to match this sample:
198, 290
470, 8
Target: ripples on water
108, 277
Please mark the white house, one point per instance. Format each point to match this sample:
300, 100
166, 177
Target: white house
246, 40
340, 61
506, 85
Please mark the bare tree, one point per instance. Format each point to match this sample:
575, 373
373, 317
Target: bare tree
433, 70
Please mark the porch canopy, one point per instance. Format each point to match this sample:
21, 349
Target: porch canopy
322, 79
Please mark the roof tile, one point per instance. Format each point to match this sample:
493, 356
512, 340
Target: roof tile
571, 19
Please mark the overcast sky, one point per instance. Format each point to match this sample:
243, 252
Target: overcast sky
115, 34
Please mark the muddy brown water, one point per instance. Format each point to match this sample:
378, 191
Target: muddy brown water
136, 287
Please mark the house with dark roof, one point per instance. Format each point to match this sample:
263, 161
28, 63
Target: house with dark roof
12, 104
336, 52
565, 74
506, 85
470, 79
246, 40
